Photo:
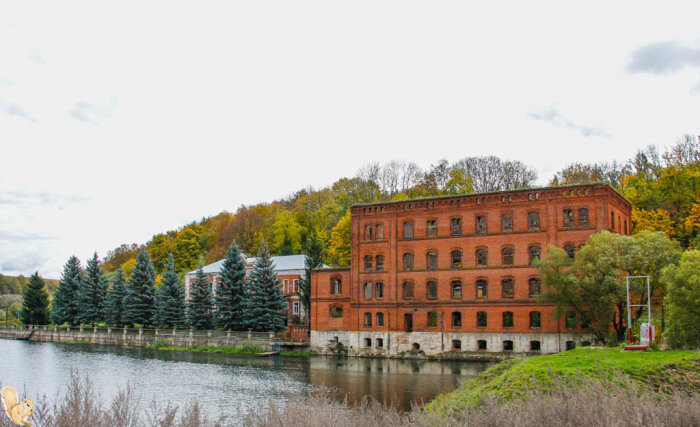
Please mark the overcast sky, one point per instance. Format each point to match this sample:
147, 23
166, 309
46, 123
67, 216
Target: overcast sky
118, 122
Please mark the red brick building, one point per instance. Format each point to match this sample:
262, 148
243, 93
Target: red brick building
453, 273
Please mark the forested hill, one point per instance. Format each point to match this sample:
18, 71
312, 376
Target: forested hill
661, 184
16, 284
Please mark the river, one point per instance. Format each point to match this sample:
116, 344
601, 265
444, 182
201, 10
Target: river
225, 384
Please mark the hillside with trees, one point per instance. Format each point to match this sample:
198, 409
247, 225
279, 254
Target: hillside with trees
661, 184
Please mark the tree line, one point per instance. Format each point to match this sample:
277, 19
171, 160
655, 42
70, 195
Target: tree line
87, 296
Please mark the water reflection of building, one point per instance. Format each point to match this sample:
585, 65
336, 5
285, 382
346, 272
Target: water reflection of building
454, 274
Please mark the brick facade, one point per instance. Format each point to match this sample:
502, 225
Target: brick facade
470, 264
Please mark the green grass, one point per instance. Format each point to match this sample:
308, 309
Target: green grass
246, 349
294, 353
513, 378
75, 342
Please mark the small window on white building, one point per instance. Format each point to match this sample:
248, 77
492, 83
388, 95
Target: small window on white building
295, 283
285, 285
295, 307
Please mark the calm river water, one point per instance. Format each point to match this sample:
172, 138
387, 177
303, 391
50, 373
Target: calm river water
221, 383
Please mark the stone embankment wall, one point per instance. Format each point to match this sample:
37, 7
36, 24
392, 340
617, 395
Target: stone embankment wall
140, 337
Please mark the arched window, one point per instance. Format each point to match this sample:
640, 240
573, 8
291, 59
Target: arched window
432, 319
431, 228
570, 250
456, 289
507, 319
482, 256
507, 288
583, 217
612, 221
368, 290
368, 262
432, 289
507, 345
379, 262
379, 290
507, 255
456, 226
368, 232
481, 225
380, 319
481, 288
534, 286
534, 252
431, 260
408, 261
336, 286
535, 319
533, 221
481, 344
368, 319
506, 222
481, 319
407, 289
456, 318
456, 257
380, 232
568, 218
336, 312
408, 230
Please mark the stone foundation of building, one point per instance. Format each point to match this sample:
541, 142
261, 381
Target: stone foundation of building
467, 345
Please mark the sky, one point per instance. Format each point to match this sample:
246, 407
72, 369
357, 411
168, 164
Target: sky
121, 120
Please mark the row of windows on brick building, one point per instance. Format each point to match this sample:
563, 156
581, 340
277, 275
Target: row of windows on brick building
534, 345
481, 286
481, 258
508, 319
376, 232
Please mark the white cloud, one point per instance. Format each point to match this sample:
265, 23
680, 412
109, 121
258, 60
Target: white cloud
556, 118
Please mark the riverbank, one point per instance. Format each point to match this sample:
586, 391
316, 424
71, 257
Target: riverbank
244, 350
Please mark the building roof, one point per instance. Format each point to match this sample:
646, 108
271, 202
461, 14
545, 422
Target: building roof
282, 263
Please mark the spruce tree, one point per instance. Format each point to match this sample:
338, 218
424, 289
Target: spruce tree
268, 310
93, 293
201, 306
171, 297
140, 295
114, 303
35, 305
66, 303
231, 292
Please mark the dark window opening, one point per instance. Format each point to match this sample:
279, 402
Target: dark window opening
481, 226
583, 217
368, 342
379, 262
380, 319
481, 288
336, 312
368, 319
481, 344
507, 319
432, 289
507, 256
568, 218
534, 346
482, 257
533, 221
456, 259
570, 345
368, 262
612, 221
570, 320
507, 345
506, 222
379, 290
456, 318
456, 345
408, 290
534, 286
432, 319
570, 250
535, 319
408, 322
432, 260
456, 226
416, 346
534, 252
507, 288
431, 228
481, 319
408, 230
408, 261
456, 289
380, 342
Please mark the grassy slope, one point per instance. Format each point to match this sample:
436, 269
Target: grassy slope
514, 377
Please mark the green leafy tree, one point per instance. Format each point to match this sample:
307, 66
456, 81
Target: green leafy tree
93, 293
269, 304
140, 294
339, 251
171, 297
114, 303
66, 301
286, 234
35, 305
314, 259
200, 308
232, 296
682, 302
189, 246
